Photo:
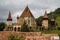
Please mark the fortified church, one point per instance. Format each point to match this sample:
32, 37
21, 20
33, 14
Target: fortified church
27, 17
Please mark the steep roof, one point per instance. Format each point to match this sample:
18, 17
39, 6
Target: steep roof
9, 17
27, 13
45, 15
52, 19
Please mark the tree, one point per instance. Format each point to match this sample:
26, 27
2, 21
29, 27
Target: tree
2, 26
25, 28
39, 21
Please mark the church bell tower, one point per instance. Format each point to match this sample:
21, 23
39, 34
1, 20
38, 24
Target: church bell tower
9, 22
45, 21
9, 19
52, 22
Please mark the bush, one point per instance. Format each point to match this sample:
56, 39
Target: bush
11, 37
15, 37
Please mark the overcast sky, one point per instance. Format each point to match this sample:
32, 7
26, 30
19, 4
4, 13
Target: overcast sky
37, 7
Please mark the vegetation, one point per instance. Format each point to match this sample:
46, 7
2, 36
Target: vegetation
15, 37
11, 37
24, 28
2, 26
56, 15
39, 21
22, 37
51, 31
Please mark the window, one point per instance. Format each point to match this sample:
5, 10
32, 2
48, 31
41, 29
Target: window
15, 29
18, 28
28, 21
30, 27
10, 28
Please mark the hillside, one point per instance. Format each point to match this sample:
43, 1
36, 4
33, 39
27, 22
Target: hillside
56, 15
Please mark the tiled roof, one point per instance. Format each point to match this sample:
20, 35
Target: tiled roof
27, 13
45, 15
9, 17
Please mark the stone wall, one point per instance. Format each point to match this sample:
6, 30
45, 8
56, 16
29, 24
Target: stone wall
5, 34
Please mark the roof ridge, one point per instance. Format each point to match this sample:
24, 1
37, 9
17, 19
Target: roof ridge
9, 16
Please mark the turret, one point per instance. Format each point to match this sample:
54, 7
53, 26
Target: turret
52, 22
9, 19
45, 21
45, 17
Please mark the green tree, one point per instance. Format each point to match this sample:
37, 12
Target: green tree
39, 21
58, 21
24, 28
2, 26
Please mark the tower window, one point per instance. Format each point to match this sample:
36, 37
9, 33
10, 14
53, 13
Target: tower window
18, 28
15, 29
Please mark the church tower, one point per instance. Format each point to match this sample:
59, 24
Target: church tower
52, 23
45, 21
9, 21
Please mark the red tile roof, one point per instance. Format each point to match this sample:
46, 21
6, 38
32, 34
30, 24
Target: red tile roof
27, 13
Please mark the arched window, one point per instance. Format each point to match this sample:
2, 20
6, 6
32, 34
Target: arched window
15, 29
18, 28
10, 28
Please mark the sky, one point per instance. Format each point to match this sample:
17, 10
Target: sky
16, 7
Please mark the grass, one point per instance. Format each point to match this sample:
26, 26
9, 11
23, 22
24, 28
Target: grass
49, 31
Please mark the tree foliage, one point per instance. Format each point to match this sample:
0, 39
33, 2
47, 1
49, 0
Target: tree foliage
39, 21
24, 28
2, 26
